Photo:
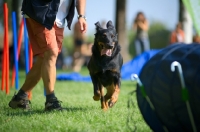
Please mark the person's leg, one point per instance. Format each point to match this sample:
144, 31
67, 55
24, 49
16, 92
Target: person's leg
78, 63
137, 47
20, 100
46, 44
33, 76
49, 70
48, 73
76, 56
146, 45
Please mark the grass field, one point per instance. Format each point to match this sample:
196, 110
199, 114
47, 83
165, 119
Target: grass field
82, 113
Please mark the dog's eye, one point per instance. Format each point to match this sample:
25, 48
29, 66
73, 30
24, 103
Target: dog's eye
104, 36
112, 36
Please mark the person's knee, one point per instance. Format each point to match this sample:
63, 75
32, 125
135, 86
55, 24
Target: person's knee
51, 55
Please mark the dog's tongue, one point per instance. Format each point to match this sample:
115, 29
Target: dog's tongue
108, 52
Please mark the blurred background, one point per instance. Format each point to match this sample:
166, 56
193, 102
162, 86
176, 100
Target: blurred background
162, 17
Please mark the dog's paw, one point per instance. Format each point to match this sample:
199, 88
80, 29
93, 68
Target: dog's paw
96, 97
104, 108
111, 104
113, 100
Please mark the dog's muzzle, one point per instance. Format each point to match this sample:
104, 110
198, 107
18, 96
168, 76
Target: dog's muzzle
107, 50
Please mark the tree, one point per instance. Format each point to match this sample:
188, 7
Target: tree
16, 6
121, 27
158, 37
181, 10
13, 5
185, 19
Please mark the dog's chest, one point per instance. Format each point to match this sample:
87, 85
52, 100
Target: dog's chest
106, 64
106, 77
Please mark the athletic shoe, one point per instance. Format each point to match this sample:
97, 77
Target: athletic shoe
53, 104
17, 102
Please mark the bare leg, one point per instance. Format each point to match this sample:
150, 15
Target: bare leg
20, 100
48, 70
78, 63
33, 75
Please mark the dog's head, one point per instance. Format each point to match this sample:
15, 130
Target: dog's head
105, 39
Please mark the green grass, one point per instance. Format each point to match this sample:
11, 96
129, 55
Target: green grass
82, 113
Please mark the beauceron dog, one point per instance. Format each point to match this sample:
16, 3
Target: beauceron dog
105, 64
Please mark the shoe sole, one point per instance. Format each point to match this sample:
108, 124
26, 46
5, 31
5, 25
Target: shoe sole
14, 105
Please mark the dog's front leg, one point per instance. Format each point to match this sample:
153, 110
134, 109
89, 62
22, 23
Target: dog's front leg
110, 91
115, 93
96, 85
104, 105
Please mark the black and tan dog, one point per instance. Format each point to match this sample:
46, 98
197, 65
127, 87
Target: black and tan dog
105, 65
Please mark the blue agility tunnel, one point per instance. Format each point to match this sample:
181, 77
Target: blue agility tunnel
175, 105
133, 66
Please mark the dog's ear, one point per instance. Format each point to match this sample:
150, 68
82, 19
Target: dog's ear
109, 25
98, 26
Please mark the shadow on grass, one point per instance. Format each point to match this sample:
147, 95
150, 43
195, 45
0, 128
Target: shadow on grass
21, 112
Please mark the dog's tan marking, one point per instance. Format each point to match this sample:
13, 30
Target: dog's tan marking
100, 43
104, 106
111, 96
114, 70
114, 96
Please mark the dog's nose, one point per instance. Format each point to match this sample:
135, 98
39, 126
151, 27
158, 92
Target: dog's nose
110, 46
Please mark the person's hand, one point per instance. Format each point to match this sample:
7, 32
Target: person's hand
143, 25
140, 24
82, 24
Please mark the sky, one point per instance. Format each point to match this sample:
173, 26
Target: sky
165, 11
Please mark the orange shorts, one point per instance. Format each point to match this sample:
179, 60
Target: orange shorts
43, 39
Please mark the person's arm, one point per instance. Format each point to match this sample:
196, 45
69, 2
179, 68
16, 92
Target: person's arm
81, 11
172, 37
183, 35
143, 25
134, 25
